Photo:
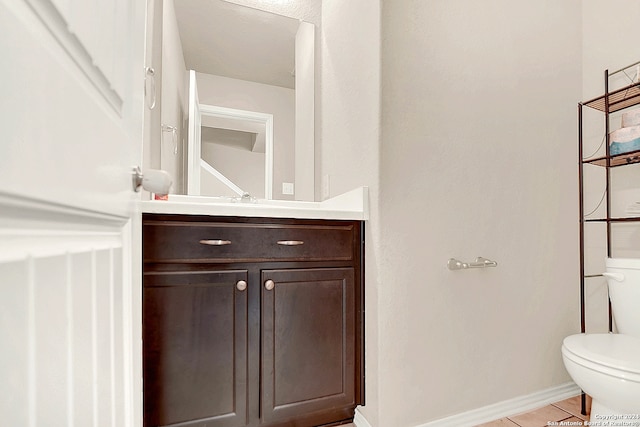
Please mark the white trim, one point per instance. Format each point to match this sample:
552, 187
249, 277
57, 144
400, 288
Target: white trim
497, 410
219, 176
359, 420
254, 116
16, 210
59, 28
62, 249
194, 136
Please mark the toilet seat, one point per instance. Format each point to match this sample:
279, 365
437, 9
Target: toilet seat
617, 355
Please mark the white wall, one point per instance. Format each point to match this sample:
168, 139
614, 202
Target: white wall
350, 95
305, 112
478, 158
174, 99
348, 136
153, 59
251, 96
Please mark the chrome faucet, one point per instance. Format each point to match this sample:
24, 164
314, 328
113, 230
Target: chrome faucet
246, 198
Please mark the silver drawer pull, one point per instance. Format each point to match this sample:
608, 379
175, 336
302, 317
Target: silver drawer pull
215, 242
241, 285
290, 242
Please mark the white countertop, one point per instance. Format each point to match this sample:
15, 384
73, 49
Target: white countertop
351, 205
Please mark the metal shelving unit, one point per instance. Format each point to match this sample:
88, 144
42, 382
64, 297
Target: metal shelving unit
609, 102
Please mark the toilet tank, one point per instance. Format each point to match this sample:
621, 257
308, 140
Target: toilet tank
624, 292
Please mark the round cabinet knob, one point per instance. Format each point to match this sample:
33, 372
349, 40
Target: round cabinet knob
269, 284
241, 285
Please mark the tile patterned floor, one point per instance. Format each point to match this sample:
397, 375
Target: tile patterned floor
566, 410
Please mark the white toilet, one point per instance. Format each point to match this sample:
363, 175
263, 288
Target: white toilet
607, 366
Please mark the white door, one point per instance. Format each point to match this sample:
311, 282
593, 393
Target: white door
71, 114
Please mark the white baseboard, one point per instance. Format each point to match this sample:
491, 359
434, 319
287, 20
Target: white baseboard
359, 420
497, 410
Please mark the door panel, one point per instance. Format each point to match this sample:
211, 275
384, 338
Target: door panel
308, 351
195, 348
72, 117
62, 324
66, 138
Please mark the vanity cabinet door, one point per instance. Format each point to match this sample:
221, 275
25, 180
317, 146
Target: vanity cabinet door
195, 348
308, 343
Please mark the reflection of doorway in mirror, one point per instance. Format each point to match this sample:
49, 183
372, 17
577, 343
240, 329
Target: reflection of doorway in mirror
276, 101
230, 150
236, 150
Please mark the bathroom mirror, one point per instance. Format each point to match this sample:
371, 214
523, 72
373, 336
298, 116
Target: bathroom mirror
250, 62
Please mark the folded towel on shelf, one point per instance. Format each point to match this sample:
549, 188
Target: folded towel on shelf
624, 140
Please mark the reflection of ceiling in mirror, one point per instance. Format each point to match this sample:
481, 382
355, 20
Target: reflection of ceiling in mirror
239, 42
305, 10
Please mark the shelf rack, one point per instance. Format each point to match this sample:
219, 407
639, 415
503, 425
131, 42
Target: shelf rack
617, 100
609, 102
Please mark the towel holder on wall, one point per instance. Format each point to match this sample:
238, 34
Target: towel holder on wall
174, 135
480, 262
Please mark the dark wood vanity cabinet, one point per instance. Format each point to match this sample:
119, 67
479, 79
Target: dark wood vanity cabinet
195, 348
251, 321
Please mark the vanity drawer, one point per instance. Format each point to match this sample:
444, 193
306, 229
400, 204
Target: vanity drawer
214, 241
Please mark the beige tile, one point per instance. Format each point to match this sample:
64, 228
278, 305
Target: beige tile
572, 405
540, 417
503, 422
